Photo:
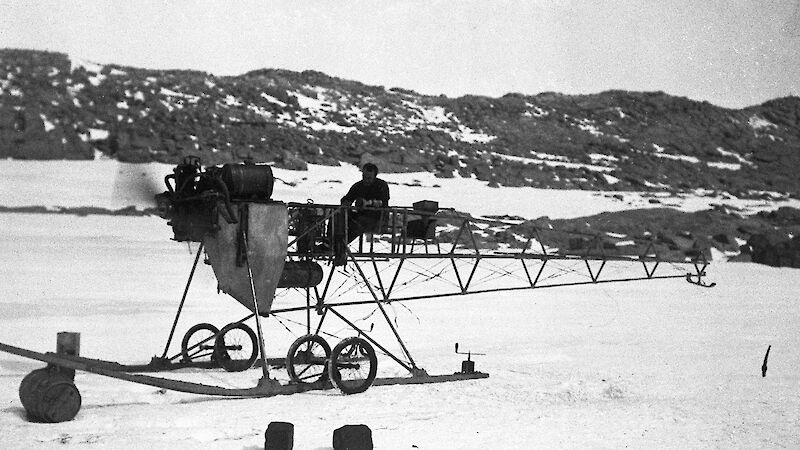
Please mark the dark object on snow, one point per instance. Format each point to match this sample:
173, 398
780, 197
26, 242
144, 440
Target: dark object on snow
764, 366
426, 205
49, 396
352, 437
468, 365
279, 436
425, 226
421, 229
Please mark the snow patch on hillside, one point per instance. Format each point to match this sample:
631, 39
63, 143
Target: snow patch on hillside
758, 123
686, 158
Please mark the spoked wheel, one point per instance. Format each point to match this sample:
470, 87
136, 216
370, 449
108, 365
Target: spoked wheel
198, 342
307, 359
353, 365
236, 347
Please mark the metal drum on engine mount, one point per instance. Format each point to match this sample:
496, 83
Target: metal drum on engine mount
248, 180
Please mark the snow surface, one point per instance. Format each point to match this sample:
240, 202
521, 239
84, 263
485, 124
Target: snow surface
654, 364
110, 184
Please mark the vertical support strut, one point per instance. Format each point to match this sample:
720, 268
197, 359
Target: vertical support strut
324, 314
264, 365
183, 299
308, 311
321, 298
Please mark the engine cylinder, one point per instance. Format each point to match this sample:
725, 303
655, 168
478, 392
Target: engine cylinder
248, 180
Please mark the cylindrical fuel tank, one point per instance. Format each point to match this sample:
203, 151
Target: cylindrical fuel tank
300, 274
245, 180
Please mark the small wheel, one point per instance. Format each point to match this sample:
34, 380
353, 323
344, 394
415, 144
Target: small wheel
352, 366
307, 359
236, 347
198, 342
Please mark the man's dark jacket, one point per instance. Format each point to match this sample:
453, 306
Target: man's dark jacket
378, 190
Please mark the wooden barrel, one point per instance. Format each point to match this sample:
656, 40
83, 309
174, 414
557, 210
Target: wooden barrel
49, 397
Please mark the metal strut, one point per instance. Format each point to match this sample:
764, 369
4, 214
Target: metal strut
700, 263
413, 369
700, 272
264, 365
183, 299
380, 302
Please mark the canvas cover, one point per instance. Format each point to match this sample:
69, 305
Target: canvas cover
267, 238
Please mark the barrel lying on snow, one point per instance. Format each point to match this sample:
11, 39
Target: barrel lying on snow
49, 396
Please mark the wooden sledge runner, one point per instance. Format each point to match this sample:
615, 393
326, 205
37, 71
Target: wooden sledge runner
265, 388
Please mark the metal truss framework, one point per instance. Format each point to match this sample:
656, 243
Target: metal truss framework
385, 262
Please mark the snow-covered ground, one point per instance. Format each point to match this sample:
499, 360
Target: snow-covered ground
659, 364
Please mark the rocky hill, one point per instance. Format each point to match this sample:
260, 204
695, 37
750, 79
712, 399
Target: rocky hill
52, 107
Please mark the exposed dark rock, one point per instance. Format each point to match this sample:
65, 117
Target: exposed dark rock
671, 233
775, 248
723, 238
49, 110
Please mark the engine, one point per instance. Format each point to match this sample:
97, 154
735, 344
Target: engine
195, 197
244, 232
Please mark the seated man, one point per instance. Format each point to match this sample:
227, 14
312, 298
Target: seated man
370, 192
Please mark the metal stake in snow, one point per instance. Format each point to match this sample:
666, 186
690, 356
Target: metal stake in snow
764, 366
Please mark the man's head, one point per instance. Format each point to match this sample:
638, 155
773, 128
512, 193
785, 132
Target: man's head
369, 172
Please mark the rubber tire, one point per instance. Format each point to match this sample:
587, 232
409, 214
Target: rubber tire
290, 358
188, 336
348, 386
221, 352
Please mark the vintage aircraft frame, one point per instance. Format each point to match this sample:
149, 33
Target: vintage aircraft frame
381, 262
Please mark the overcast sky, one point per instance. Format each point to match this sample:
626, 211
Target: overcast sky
733, 53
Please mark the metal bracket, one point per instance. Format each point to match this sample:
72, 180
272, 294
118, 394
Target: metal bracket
697, 280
